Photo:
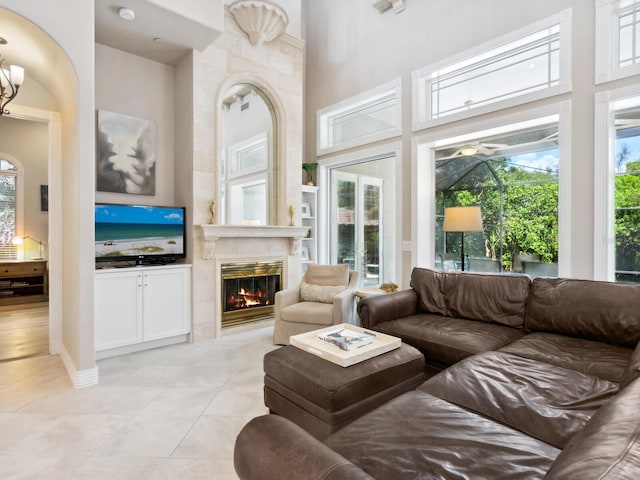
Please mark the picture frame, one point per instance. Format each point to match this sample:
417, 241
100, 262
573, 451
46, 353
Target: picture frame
305, 210
304, 253
44, 198
125, 154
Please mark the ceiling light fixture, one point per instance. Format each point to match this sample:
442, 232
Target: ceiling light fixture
468, 150
127, 14
10, 81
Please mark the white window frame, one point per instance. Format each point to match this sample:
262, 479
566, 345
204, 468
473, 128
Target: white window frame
325, 117
423, 166
392, 149
422, 78
19, 174
607, 41
233, 178
604, 242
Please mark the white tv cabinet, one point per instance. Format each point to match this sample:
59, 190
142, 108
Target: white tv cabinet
141, 307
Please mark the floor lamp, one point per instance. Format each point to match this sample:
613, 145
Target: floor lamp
462, 219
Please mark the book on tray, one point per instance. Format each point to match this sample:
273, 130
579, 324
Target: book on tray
347, 339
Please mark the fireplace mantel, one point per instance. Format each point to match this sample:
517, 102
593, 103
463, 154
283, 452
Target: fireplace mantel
213, 233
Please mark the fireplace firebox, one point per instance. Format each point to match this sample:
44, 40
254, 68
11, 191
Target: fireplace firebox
249, 291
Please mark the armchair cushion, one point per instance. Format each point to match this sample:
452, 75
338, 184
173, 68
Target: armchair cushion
310, 292
308, 312
327, 275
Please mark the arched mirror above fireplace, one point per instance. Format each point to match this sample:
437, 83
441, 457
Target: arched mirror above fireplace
247, 183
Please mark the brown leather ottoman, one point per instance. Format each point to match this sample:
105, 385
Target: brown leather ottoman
321, 396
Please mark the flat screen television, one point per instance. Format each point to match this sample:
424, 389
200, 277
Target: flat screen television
142, 233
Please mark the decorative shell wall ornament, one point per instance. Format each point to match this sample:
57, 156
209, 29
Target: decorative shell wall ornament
261, 20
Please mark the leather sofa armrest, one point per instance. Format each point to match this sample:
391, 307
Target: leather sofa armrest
271, 447
381, 308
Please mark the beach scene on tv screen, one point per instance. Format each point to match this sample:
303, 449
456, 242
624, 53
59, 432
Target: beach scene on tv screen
123, 231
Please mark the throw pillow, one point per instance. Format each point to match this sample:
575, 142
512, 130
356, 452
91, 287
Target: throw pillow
319, 293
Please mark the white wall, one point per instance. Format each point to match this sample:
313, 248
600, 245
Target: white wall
134, 86
29, 143
352, 48
71, 81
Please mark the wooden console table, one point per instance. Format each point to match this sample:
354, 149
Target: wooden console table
23, 282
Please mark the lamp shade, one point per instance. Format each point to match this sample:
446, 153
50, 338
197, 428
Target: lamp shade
462, 219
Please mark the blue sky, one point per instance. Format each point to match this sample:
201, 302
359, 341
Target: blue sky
633, 143
545, 160
138, 214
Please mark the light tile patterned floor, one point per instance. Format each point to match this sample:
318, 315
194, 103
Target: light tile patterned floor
168, 413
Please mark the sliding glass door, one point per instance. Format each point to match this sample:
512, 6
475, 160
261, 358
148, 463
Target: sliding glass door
357, 224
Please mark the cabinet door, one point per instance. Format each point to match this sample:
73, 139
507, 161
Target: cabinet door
118, 309
166, 303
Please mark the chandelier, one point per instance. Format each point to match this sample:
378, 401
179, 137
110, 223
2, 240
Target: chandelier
10, 81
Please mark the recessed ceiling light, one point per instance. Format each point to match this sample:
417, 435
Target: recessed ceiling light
158, 40
127, 14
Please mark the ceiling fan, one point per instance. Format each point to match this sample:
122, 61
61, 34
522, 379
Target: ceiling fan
476, 148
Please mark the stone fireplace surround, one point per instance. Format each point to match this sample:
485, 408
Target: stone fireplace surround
222, 244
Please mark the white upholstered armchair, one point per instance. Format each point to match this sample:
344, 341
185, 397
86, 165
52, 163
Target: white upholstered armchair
323, 298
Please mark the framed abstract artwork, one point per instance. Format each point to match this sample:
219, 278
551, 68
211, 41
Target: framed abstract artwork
126, 154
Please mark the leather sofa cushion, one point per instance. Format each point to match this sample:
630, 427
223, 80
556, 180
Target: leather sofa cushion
485, 297
602, 311
632, 371
608, 447
333, 387
417, 435
592, 358
447, 340
545, 401
308, 312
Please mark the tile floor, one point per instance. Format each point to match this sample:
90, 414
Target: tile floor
168, 413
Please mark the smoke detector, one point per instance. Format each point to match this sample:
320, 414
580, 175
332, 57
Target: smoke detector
127, 14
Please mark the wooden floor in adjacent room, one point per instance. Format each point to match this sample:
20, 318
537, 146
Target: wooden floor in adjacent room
24, 331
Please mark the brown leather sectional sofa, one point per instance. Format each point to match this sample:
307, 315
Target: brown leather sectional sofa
531, 379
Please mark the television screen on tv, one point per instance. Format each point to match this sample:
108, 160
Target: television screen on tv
144, 233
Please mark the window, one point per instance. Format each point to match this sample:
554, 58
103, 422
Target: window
627, 196
617, 39
617, 187
514, 180
527, 65
245, 176
369, 117
8, 209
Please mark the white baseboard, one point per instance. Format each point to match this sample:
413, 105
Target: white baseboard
80, 379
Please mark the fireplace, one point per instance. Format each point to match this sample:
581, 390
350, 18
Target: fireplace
249, 291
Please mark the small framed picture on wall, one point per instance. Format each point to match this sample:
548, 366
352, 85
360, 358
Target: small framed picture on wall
304, 253
44, 198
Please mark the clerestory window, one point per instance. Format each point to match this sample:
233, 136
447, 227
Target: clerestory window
526, 65
617, 39
371, 116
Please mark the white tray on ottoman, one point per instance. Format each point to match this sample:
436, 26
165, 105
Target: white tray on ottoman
310, 342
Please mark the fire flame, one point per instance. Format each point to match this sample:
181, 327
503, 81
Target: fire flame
252, 299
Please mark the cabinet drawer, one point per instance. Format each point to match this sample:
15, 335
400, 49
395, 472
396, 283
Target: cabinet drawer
21, 269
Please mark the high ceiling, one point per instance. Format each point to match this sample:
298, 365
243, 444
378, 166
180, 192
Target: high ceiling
30, 47
177, 34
